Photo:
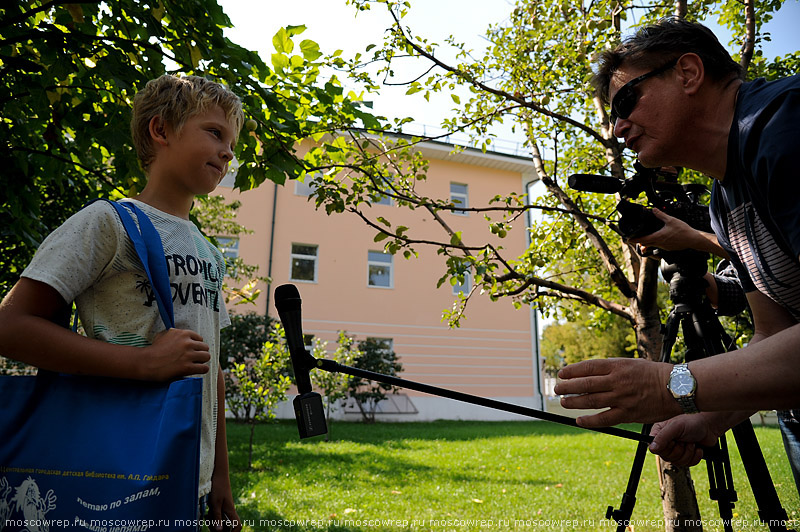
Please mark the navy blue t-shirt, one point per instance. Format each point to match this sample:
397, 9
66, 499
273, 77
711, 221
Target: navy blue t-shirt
755, 209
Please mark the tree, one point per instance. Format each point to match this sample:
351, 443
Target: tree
376, 356
580, 339
218, 219
534, 73
334, 386
259, 383
70, 71
244, 339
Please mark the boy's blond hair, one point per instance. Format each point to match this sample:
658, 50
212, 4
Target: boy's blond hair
176, 99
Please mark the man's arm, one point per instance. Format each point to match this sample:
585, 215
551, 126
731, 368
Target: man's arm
28, 334
762, 376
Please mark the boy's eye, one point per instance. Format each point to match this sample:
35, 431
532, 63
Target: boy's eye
216, 132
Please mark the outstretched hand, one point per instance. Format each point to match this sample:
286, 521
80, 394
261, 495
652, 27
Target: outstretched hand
633, 391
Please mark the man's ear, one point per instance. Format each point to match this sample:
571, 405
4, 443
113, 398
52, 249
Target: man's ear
158, 130
692, 72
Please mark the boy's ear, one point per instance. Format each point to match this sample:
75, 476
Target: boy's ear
158, 130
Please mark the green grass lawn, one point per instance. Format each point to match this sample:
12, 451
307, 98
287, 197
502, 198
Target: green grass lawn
464, 476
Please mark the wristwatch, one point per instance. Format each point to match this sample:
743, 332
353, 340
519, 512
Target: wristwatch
683, 387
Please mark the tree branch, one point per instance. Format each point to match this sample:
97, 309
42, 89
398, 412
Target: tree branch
497, 92
610, 262
564, 290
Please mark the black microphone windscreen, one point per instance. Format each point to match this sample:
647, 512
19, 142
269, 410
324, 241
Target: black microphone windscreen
595, 183
287, 298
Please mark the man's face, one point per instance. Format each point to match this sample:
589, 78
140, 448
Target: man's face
646, 105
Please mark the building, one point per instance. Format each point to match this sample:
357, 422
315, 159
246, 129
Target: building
347, 283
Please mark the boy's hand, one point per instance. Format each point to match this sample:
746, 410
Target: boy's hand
175, 353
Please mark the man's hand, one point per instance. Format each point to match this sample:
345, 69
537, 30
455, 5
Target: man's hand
677, 235
633, 390
679, 440
175, 353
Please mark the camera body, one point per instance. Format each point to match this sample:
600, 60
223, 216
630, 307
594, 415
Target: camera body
663, 192
637, 220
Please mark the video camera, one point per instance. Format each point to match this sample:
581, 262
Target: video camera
663, 192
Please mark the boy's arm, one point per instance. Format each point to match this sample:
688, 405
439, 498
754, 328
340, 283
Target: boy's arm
221, 498
28, 334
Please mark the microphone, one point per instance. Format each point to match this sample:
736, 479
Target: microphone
308, 409
595, 183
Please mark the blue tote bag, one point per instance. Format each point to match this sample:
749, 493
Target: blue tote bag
102, 454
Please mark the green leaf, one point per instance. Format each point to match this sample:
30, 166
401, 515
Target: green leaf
310, 50
282, 41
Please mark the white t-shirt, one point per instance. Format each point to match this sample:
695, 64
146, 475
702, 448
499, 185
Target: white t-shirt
91, 260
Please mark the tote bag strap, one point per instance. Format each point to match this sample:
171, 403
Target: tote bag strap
147, 243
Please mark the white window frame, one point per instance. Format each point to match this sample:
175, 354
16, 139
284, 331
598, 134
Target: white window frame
314, 258
458, 197
380, 264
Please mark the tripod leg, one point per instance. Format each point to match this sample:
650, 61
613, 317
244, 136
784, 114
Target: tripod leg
770, 510
720, 481
622, 516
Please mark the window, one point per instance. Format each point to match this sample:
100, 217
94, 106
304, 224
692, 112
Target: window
459, 195
379, 269
229, 247
304, 263
465, 287
384, 186
305, 188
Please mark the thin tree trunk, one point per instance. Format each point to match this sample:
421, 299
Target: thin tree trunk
678, 498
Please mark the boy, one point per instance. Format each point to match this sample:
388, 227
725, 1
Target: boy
184, 131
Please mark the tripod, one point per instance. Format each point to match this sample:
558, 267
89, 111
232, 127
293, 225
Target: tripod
704, 336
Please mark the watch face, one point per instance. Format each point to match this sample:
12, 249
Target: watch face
682, 384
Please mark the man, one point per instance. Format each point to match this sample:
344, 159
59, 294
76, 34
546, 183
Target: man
678, 99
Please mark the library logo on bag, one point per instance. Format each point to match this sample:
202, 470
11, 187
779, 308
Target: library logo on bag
25, 504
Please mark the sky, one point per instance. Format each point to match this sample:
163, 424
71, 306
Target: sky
335, 25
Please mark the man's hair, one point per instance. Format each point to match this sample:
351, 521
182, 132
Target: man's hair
655, 45
176, 99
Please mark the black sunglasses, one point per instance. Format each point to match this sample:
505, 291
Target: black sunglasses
626, 98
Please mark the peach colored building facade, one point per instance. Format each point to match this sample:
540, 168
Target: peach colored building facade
347, 283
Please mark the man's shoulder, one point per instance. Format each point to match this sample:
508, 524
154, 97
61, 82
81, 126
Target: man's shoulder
760, 92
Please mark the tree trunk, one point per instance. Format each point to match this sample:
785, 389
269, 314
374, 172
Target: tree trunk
678, 498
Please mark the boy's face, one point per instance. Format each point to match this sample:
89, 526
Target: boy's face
196, 158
